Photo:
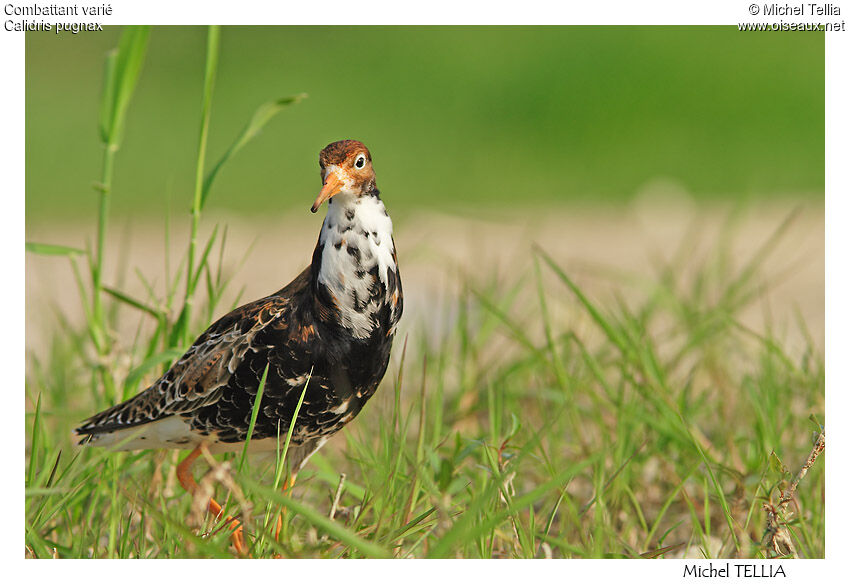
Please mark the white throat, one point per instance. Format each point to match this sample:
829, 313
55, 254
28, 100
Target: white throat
357, 253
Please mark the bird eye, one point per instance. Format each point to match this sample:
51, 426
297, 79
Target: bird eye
360, 162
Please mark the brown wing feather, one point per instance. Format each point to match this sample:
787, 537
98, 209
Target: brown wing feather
197, 378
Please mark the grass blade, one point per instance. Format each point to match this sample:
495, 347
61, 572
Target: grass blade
51, 249
613, 335
123, 66
130, 301
261, 117
34, 442
213, 38
254, 411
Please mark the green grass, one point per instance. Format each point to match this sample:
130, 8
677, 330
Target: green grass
653, 429
648, 426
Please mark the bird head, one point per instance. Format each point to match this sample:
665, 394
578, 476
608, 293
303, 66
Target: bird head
346, 170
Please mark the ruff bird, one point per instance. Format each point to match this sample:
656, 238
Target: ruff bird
330, 329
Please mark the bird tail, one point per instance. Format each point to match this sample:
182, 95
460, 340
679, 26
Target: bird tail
119, 417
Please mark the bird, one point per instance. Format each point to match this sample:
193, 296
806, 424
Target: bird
330, 330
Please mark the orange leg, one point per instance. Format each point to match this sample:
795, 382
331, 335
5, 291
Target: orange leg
290, 482
184, 475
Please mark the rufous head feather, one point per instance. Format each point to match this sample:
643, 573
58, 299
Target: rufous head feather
346, 169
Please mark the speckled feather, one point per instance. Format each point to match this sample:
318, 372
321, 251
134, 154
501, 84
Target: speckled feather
326, 320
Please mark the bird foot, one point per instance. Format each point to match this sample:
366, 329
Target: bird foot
184, 475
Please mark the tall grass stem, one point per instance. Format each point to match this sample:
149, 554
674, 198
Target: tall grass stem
213, 37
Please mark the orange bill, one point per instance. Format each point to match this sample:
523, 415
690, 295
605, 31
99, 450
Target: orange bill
331, 187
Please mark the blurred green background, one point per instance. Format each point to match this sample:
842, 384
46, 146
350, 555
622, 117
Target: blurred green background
456, 117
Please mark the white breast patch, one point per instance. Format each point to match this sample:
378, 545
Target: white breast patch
357, 237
